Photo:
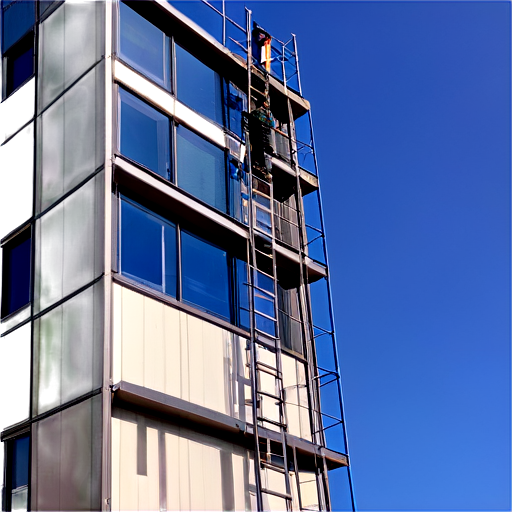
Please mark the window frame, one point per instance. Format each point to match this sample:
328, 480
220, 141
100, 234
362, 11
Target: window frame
8, 469
26, 43
168, 81
14, 241
234, 281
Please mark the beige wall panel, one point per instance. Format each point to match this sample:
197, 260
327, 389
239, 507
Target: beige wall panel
128, 495
161, 348
183, 464
149, 491
116, 454
133, 336
308, 490
173, 471
117, 335
197, 462
193, 466
240, 464
217, 385
197, 378
305, 422
154, 345
172, 352
185, 388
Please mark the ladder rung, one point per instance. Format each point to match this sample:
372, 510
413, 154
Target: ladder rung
270, 395
265, 367
273, 467
268, 420
278, 494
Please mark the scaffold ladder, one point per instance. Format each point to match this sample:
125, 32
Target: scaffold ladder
271, 466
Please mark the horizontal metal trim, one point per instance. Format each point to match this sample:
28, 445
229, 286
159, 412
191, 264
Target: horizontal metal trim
168, 103
176, 304
177, 408
176, 195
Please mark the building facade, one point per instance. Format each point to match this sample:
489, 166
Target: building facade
166, 338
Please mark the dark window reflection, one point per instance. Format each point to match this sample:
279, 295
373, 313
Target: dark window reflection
19, 64
144, 134
18, 17
144, 46
16, 273
205, 275
198, 86
148, 248
236, 102
17, 473
201, 168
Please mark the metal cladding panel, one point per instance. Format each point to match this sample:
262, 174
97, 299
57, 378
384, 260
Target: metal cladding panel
158, 466
69, 245
70, 42
68, 351
161, 348
66, 459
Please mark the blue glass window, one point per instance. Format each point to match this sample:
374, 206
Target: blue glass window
19, 62
236, 102
210, 278
198, 86
205, 275
148, 248
16, 273
144, 46
144, 134
201, 168
18, 475
18, 17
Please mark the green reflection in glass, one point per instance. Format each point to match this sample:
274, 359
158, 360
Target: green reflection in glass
69, 350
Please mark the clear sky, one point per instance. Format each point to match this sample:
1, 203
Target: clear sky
411, 108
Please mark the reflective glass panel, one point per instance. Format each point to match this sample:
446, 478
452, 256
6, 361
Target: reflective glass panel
70, 138
16, 273
17, 109
205, 275
144, 46
16, 179
17, 18
69, 245
201, 168
199, 87
70, 42
15, 377
67, 351
243, 294
144, 134
236, 102
148, 248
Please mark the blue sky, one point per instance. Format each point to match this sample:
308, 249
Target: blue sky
411, 108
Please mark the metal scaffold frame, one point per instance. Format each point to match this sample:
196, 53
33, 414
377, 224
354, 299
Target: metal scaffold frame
272, 455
